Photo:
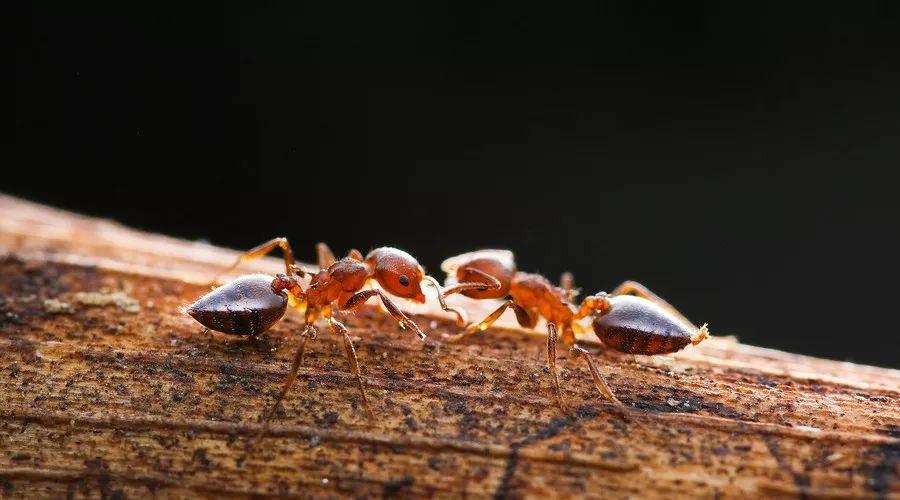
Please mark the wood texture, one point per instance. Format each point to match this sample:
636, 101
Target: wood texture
108, 390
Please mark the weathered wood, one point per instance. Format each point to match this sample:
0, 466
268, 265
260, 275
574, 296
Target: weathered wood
108, 389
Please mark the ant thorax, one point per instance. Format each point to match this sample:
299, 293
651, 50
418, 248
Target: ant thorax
533, 291
328, 285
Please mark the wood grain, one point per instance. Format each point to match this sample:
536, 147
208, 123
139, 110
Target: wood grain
109, 390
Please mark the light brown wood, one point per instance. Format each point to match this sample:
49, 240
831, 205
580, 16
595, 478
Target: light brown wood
108, 389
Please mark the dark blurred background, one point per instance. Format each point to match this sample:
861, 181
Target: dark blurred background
738, 159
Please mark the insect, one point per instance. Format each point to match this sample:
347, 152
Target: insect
252, 304
630, 319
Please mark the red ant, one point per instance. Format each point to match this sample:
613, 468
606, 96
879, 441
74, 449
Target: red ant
631, 319
252, 304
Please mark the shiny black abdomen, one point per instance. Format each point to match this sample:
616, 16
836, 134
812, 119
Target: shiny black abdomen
638, 326
246, 306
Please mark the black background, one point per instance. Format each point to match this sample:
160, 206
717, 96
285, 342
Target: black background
735, 158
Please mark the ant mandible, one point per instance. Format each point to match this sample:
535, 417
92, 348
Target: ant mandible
252, 304
631, 319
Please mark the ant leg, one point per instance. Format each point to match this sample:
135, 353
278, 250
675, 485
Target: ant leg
309, 333
356, 301
482, 325
525, 319
339, 329
325, 255
551, 362
460, 315
493, 284
567, 283
261, 250
639, 290
599, 381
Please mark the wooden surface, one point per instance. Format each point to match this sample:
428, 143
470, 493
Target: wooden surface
108, 390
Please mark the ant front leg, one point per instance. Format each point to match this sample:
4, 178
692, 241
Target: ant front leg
492, 284
356, 301
262, 250
339, 329
639, 290
308, 333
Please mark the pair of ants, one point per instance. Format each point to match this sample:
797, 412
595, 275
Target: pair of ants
630, 319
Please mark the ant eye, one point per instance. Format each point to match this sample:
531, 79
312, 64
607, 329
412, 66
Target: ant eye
404, 280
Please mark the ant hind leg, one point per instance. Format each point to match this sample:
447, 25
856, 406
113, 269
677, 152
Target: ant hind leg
308, 333
639, 290
551, 363
601, 385
260, 251
599, 381
325, 255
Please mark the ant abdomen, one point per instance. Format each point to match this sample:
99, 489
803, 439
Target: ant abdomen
246, 306
635, 325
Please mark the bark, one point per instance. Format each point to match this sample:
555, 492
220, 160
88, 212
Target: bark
108, 389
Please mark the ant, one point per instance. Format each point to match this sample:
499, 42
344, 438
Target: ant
630, 319
252, 304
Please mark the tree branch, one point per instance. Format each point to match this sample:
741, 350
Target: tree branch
107, 387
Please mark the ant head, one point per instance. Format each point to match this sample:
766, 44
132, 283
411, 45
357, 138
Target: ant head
467, 267
397, 272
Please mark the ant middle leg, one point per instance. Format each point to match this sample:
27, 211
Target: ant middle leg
639, 290
339, 329
261, 250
